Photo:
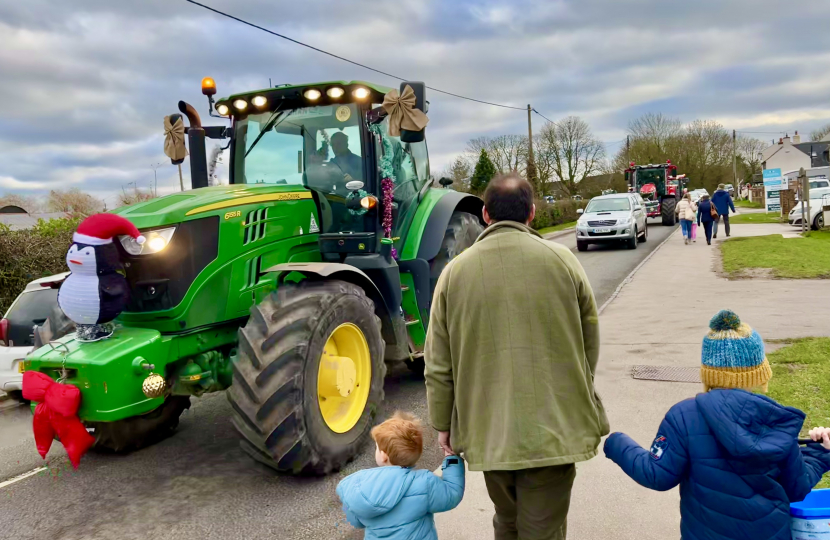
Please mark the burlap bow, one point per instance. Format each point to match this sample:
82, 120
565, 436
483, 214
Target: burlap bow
174, 146
56, 414
402, 112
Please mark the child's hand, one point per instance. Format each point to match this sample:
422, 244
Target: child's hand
821, 435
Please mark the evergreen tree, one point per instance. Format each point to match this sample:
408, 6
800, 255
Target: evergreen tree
484, 171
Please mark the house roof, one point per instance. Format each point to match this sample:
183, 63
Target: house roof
815, 150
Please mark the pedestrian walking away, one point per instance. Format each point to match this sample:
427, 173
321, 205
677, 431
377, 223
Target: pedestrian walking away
723, 202
510, 365
734, 453
685, 210
705, 209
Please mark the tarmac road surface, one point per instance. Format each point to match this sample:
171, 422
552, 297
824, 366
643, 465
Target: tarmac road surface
198, 484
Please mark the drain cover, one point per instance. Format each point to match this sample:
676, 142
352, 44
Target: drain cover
666, 373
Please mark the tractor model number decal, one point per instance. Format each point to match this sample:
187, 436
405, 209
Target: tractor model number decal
252, 199
229, 215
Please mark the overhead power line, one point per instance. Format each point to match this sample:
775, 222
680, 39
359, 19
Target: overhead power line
364, 66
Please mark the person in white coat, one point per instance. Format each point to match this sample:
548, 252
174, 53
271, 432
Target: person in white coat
686, 211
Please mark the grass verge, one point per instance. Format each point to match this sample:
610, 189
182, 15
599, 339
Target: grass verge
771, 217
793, 258
799, 373
748, 204
560, 227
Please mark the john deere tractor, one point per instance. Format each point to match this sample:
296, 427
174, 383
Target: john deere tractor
291, 287
660, 187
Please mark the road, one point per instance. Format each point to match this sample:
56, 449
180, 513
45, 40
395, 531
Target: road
198, 484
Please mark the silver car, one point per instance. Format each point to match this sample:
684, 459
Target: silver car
612, 218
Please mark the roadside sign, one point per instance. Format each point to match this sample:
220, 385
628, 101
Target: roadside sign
773, 184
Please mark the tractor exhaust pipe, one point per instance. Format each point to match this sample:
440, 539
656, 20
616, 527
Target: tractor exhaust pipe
196, 144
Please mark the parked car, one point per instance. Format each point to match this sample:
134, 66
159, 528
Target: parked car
731, 190
818, 198
31, 308
612, 218
550, 199
576, 197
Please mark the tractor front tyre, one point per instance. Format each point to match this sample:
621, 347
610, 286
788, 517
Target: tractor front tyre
308, 378
137, 432
667, 206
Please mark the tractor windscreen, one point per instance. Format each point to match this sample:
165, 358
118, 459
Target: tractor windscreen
319, 147
652, 176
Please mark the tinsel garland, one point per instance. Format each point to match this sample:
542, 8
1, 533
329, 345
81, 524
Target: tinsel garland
387, 184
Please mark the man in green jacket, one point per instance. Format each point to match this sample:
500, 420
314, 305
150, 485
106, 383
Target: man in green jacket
511, 353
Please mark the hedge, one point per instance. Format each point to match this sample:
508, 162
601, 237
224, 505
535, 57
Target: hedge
31, 254
548, 215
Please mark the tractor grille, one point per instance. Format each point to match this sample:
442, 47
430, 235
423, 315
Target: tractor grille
255, 226
602, 223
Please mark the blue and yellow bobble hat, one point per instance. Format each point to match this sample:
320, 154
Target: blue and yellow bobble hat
733, 355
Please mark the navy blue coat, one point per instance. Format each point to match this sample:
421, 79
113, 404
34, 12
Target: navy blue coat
723, 202
704, 211
737, 460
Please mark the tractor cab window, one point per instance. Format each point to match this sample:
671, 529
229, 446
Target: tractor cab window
410, 167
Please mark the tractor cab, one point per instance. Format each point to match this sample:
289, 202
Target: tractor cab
659, 187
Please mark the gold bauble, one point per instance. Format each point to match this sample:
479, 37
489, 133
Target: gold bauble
153, 386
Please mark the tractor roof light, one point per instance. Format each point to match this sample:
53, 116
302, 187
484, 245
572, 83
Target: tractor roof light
240, 104
222, 109
259, 101
335, 92
312, 94
360, 93
208, 86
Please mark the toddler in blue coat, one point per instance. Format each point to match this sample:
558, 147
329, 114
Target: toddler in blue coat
735, 454
395, 501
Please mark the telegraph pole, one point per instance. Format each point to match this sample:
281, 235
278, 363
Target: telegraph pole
531, 163
627, 149
734, 162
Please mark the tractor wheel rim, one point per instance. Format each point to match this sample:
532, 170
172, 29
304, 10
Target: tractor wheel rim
344, 378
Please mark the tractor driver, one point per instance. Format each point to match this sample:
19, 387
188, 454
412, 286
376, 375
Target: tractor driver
350, 163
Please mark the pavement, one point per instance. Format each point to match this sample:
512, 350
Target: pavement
198, 484
658, 318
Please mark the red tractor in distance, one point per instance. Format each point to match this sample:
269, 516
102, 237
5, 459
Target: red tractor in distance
659, 186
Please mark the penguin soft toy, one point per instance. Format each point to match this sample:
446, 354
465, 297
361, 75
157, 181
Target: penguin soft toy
96, 291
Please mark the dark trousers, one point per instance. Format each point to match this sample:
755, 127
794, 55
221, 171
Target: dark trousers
531, 504
707, 227
725, 224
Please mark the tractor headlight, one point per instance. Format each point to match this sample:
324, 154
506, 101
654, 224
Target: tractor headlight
240, 104
222, 109
360, 93
156, 240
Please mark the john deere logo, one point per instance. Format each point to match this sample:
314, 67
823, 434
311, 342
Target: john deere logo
361, 246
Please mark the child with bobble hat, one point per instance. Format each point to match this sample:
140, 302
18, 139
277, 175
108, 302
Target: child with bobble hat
734, 453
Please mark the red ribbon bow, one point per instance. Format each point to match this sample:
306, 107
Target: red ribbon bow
56, 414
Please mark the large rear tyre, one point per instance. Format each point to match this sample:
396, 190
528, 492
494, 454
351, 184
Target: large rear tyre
137, 432
308, 379
461, 233
667, 210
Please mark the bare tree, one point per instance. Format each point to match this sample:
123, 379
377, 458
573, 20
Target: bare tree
706, 153
73, 201
572, 152
820, 133
507, 152
749, 149
29, 203
137, 195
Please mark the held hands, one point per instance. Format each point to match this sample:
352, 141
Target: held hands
444, 442
821, 435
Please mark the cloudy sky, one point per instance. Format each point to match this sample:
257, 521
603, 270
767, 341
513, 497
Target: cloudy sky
85, 84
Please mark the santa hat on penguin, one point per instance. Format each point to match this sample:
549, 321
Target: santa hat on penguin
100, 229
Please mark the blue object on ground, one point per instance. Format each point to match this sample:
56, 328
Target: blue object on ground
811, 517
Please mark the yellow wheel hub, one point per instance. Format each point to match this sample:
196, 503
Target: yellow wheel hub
344, 378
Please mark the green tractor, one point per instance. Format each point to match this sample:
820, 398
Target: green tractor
292, 287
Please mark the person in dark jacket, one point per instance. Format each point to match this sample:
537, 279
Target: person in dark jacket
735, 454
704, 215
723, 202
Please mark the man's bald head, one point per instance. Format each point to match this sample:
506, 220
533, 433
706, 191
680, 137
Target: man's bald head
509, 197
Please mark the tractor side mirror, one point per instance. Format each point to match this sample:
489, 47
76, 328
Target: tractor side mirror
420, 90
445, 182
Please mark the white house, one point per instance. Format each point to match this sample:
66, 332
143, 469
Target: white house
790, 154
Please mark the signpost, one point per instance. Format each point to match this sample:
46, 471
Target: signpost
773, 184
